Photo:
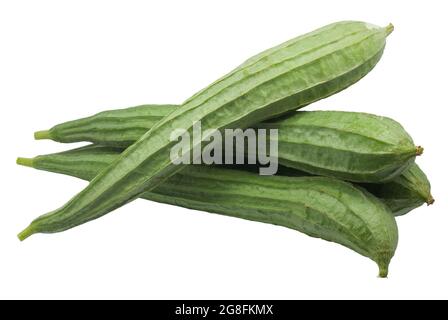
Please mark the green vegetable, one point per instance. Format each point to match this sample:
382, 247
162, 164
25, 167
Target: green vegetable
120, 127
406, 192
402, 194
351, 146
320, 207
291, 75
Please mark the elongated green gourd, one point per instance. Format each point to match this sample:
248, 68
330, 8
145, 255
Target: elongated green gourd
401, 195
320, 207
351, 146
291, 75
408, 191
121, 127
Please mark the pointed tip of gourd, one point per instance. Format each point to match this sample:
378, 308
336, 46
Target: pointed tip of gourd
383, 261
27, 162
389, 29
419, 150
27, 232
430, 200
41, 135
383, 270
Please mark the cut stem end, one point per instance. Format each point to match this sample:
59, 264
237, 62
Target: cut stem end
26, 233
27, 162
430, 200
41, 135
389, 29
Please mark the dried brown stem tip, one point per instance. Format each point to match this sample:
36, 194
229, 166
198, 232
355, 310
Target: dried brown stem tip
419, 150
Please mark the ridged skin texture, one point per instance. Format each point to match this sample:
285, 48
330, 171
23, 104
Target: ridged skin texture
304, 70
351, 146
406, 192
320, 207
120, 127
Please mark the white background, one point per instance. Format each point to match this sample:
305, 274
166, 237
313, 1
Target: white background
67, 59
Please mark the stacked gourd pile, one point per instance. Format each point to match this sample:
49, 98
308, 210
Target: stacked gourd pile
345, 176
